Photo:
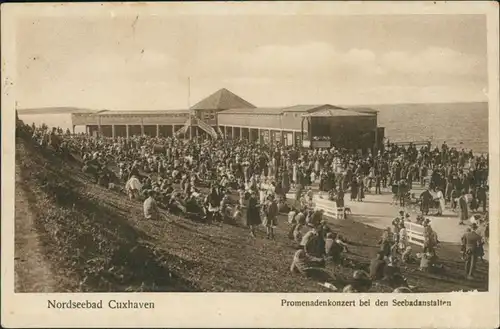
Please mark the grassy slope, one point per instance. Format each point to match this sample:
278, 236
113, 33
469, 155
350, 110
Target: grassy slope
98, 237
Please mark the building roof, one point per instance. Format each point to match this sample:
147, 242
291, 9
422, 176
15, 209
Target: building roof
254, 110
363, 109
308, 108
296, 109
222, 99
138, 112
328, 112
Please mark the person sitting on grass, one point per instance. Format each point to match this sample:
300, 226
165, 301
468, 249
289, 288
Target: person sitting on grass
193, 207
393, 276
310, 267
386, 243
175, 204
292, 222
315, 218
407, 256
377, 266
360, 282
237, 215
150, 207
333, 249
313, 243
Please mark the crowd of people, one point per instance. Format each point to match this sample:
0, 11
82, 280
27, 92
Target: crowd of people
199, 178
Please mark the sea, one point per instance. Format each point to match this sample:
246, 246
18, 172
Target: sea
461, 125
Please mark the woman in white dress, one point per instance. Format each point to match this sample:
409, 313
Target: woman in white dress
294, 173
262, 192
440, 197
403, 237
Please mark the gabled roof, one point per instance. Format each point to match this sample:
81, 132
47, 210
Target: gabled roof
222, 99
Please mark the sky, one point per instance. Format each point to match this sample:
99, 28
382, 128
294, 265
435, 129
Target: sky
144, 62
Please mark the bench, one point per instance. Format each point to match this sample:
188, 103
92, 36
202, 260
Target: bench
329, 207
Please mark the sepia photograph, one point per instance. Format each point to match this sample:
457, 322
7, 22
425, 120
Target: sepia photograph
180, 161
251, 153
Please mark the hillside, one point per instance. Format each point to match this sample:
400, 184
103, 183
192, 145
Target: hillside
96, 240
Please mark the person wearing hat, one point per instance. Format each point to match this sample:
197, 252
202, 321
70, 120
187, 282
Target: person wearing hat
397, 220
430, 237
150, 207
426, 199
471, 243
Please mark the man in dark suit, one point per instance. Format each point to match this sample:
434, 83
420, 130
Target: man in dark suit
471, 242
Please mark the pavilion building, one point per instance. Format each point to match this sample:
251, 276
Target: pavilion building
226, 115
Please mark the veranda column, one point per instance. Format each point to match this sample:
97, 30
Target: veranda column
157, 130
99, 130
241, 133
127, 129
232, 133
294, 138
113, 131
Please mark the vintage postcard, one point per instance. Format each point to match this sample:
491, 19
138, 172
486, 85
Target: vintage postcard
250, 164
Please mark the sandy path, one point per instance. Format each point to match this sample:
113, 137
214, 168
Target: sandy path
32, 272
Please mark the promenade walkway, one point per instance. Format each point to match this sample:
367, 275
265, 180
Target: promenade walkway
378, 211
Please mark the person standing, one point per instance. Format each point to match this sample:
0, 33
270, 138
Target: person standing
253, 213
471, 244
361, 188
481, 197
441, 199
463, 212
377, 183
354, 189
271, 211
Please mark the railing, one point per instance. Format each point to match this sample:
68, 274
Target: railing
415, 233
207, 128
184, 128
329, 208
220, 132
